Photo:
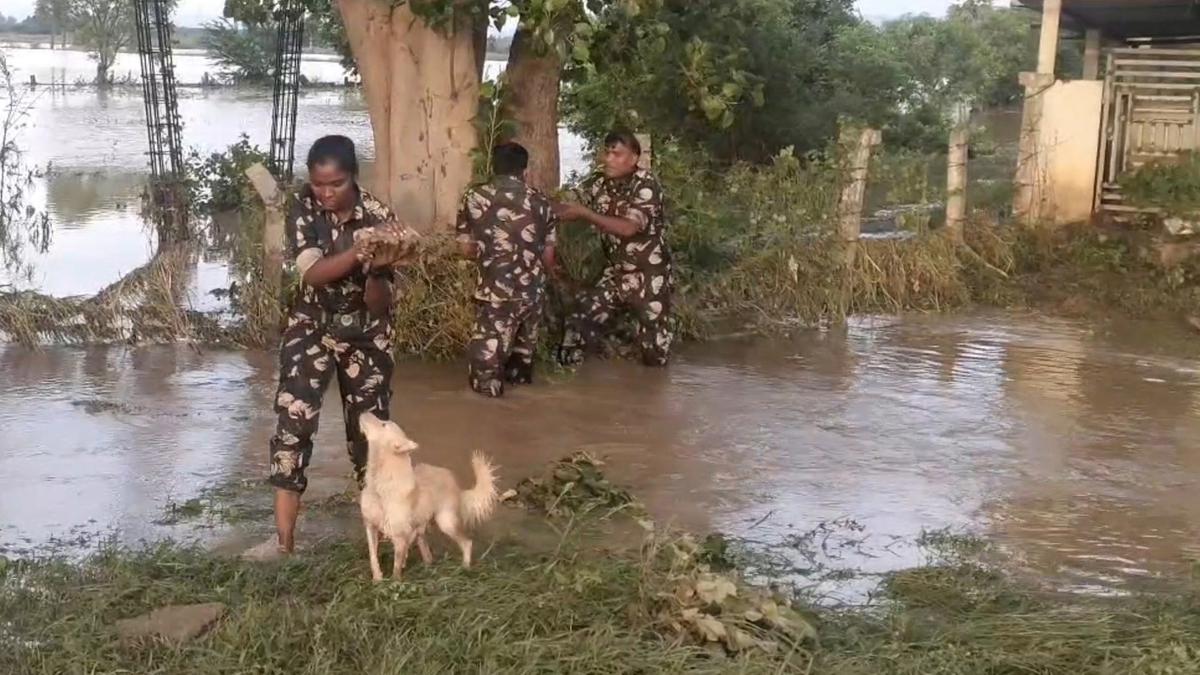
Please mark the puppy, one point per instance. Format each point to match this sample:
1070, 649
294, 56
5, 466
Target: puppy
399, 500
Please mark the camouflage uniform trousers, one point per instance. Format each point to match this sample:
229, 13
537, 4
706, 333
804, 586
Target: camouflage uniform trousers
503, 343
597, 308
359, 350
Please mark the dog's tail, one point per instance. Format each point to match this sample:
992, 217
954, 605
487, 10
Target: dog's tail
479, 502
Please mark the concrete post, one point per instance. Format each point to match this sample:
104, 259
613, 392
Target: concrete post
1026, 198
858, 144
956, 181
274, 230
1048, 47
1091, 54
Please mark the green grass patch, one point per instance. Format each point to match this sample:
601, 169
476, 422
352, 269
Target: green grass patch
550, 599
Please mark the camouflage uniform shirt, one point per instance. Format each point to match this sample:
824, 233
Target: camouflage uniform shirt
316, 233
513, 224
637, 198
638, 277
329, 332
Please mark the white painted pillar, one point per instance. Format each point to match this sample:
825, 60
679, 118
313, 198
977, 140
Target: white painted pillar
1048, 47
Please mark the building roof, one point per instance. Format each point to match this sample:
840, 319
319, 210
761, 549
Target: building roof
1130, 19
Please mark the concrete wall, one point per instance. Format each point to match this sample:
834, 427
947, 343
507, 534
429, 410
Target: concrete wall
1064, 156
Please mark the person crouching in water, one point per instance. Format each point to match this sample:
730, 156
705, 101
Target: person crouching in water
340, 323
624, 204
509, 229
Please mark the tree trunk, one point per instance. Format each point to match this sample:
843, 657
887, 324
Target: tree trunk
101, 72
422, 91
481, 35
532, 84
53, 36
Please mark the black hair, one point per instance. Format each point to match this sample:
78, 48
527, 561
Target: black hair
509, 159
336, 149
622, 137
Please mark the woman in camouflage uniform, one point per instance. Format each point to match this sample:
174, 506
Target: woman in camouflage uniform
339, 324
625, 204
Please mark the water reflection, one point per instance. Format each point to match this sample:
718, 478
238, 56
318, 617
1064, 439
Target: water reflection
74, 198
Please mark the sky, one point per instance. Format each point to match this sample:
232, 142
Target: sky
196, 12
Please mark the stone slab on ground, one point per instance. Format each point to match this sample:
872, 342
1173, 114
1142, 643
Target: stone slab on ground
174, 623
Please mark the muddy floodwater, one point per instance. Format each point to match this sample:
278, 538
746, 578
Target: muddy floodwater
1071, 444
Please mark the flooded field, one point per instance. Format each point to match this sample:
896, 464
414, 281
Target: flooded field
93, 144
1071, 444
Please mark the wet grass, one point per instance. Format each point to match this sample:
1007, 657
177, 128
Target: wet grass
793, 283
967, 619
240, 502
576, 607
574, 610
545, 598
230, 504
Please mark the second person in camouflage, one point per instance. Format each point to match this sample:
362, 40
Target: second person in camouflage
509, 229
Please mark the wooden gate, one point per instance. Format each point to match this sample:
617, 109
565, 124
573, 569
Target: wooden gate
1151, 112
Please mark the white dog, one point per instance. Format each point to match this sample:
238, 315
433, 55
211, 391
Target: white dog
399, 500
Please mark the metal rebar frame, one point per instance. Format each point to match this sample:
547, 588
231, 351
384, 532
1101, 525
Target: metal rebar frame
289, 46
163, 127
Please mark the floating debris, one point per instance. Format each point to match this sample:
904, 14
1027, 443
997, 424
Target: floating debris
573, 486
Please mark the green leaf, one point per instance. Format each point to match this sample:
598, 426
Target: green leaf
713, 108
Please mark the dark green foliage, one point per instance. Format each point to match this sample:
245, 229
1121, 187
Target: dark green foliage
1171, 186
244, 52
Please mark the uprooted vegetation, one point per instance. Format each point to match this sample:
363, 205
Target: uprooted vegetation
574, 486
583, 604
142, 306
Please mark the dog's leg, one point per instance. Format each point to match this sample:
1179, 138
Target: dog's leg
373, 551
465, 544
423, 545
449, 523
401, 544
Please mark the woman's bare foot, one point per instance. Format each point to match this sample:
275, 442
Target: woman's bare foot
267, 551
